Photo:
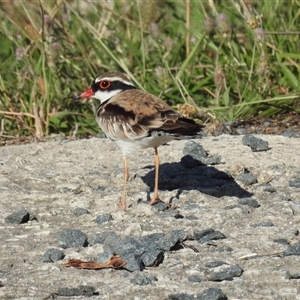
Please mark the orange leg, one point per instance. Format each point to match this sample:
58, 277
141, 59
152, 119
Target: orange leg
155, 197
122, 204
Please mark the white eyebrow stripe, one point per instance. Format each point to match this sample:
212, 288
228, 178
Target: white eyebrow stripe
115, 79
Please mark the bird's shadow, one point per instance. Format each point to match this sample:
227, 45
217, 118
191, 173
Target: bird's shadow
201, 177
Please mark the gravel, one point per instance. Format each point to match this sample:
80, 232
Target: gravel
79, 211
256, 144
67, 184
68, 238
53, 255
292, 250
18, 217
103, 218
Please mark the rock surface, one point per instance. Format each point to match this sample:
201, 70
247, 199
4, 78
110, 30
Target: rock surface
205, 221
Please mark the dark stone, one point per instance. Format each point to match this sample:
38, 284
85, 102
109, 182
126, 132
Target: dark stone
133, 262
290, 133
214, 264
152, 258
295, 182
52, 255
82, 290
151, 253
111, 242
233, 206
129, 250
195, 278
198, 234
263, 224
292, 276
225, 273
176, 236
281, 241
140, 279
103, 258
18, 217
292, 250
165, 244
160, 206
255, 143
195, 150
212, 294
216, 235
181, 296
79, 211
225, 249
71, 238
213, 160
103, 218
247, 178
96, 239
249, 201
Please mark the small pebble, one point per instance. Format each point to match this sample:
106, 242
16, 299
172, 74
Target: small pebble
247, 178
181, 296
71, 238
224, 273
295, 182
212, 294
289, 275
292, 250
103, 218
81, 290
214, 264
104, 257
281, 241
18, 217
249, 201
78, 211
290, 133
225, 249
213, 160
140, 279
195, 150
255, 143
111, 242
52, 255
161, 206
198, 234
263, 224
96, 239
216, 235
195, 278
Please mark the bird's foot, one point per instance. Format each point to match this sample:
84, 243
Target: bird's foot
154, 200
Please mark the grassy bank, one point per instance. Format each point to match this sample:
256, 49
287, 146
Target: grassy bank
213, 60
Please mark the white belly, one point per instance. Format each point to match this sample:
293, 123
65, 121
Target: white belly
156, 139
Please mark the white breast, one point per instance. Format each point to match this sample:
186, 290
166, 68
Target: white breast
156, 139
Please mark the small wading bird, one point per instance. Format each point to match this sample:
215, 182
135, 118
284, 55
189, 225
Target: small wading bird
135, 120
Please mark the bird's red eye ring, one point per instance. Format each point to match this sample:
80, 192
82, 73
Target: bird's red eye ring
104, 84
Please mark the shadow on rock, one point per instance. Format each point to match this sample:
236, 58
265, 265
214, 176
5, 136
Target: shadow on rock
206, 179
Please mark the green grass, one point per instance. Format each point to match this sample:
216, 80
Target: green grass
227, 60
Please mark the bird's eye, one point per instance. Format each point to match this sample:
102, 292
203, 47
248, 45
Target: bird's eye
104, 84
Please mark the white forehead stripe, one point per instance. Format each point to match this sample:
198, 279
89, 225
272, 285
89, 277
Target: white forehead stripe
115, 79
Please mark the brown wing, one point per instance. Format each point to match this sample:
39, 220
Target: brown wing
135, 113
